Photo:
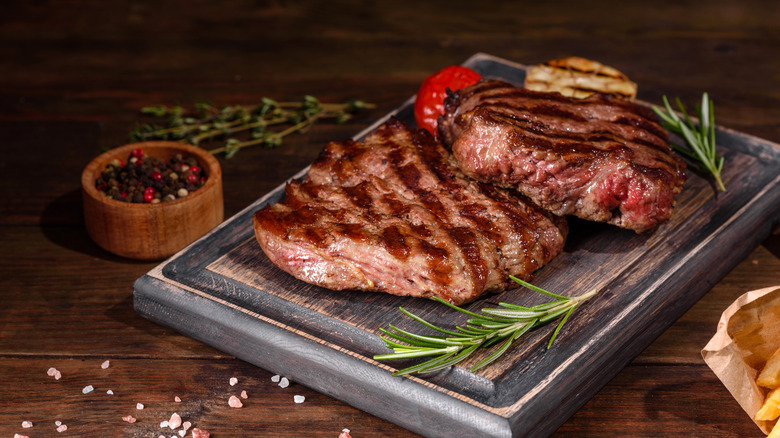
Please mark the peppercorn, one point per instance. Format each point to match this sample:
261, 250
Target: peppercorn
146, 179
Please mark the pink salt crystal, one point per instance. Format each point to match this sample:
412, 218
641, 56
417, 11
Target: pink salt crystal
175, 421
105, 364
26, 424
233, 381
16, 435
62, 428
139, 406
177, 399
186, 425
345, 434
234, 402
58, 423
54, 372
129, 419
244, 395
199, 433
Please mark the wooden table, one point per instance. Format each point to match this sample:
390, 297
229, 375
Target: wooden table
73, 76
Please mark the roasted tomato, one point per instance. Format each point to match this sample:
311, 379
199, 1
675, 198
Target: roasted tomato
430, 98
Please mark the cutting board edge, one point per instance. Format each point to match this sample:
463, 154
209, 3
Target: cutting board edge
204, 320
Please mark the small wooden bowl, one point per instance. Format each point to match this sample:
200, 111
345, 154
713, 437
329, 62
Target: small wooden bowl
152, 231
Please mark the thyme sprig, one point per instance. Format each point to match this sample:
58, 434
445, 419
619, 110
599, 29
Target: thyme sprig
701, 140
505, 324
255, 125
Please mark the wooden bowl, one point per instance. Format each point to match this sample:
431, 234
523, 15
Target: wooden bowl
152, 231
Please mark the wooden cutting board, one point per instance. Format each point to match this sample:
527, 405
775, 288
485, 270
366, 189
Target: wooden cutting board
223, 291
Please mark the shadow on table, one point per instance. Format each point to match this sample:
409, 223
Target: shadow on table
62, 222
772, 243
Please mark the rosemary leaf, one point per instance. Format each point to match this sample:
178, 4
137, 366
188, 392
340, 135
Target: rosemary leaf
700, 139
502, 325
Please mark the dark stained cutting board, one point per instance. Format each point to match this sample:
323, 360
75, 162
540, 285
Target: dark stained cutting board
223, 291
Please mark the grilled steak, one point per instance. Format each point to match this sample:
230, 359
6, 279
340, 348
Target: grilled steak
394, 214
598, 158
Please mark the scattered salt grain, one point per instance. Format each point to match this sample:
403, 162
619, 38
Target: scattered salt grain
244, 395
87, 389
139, 406
234, 402
299, 398
199, 433
284, 383
186, 425
58, 423
161, 436
54, 372
345, 433
177, 399
755, 262
110, 392
275, 378
182, 432
163, 424
62, 428
233, 381
105, 364
27, 424
129, 419
175, 421
16, 435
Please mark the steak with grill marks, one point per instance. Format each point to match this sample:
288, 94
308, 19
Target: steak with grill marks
599, 158
394, 214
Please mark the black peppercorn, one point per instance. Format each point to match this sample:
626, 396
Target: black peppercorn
146, 179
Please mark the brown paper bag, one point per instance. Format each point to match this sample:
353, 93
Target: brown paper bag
748, 333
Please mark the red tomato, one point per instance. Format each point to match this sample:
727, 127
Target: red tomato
430, 98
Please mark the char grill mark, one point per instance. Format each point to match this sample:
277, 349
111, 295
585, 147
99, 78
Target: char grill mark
394, 214
599, 158
418, 178
556, 114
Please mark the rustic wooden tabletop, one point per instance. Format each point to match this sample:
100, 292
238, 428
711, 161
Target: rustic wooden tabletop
74, 75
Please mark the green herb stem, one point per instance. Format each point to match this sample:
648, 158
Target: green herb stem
503, 325
213, 124
700, 139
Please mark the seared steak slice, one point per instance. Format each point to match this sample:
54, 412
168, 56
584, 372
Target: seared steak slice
598, 158
394, 214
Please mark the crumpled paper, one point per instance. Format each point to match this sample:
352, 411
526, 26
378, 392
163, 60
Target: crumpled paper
748, 333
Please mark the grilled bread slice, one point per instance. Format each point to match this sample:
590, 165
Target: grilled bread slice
579, 78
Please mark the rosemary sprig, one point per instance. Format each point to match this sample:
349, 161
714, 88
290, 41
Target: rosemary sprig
700, 140
212, 124
505, 325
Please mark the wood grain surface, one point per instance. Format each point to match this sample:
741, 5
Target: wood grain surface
73, 76
224, 291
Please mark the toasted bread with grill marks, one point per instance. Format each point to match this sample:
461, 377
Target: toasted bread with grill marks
579, 77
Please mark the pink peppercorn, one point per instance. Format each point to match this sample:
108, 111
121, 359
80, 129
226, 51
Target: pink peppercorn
149, 194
